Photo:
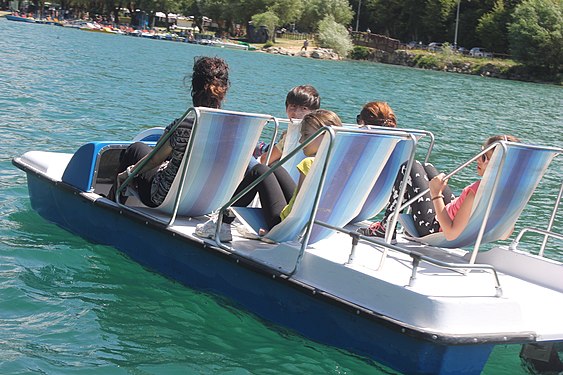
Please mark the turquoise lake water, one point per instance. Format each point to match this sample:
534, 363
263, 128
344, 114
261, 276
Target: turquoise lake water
68, 306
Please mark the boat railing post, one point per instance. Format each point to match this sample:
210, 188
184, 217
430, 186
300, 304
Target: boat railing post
552, 219
392, 223
355, 240
275, 166
309, 226
248, 188
415, 263
157, 147
274, 137
185, 166
514, 244
489, 203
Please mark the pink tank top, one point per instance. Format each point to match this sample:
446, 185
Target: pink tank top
453, 207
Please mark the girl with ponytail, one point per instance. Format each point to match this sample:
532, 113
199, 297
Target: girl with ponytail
209, 85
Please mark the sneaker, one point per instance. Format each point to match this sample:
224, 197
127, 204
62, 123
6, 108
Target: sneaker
207, 230
243, 231
376, 229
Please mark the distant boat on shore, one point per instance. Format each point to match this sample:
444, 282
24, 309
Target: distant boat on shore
12, 17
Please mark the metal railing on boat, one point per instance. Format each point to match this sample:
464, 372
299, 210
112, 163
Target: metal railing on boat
416, 257
546, 232
308, 228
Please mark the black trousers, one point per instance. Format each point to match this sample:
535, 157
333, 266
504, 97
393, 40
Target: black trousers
143, 181
423, 208
275, 192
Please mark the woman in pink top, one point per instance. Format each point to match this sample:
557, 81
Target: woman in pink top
439, 209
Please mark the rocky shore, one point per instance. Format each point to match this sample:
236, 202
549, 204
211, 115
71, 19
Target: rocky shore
453, 63
314, 53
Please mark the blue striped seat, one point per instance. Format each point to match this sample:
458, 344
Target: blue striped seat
352, 161
511, 177
215, 161
381, 191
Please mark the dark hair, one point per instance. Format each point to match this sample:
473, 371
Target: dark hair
210, 81
379, 114
496, 138
304, 95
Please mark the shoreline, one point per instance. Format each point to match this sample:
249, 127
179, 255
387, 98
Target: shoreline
451, 63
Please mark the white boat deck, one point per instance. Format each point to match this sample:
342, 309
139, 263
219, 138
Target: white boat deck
440, 300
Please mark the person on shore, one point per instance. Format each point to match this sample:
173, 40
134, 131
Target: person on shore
277, 191
209, 85
299, 101
305, 45
437, 210
378, 114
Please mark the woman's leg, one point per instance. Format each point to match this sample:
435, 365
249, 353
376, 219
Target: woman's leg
275, 191
422, 209
130, 156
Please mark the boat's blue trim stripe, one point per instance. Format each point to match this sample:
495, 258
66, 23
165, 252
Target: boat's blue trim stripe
222, 147
519, 176
356, 162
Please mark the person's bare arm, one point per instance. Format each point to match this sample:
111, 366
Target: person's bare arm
451, 228
275, 156
161, 155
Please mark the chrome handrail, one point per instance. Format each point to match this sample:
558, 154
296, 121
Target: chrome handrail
490, 201
416, 257
157, 147
514, 244
552, 218
271, 170
188, 154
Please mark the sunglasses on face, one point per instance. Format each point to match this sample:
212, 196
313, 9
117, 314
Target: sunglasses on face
484, 157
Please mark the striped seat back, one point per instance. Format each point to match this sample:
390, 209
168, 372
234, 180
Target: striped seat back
215, 161
381, 191
522, 170
352, 167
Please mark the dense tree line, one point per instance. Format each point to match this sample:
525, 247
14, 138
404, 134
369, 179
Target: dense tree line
529, 30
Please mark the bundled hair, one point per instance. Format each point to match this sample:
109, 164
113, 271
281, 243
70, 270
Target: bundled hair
210, 81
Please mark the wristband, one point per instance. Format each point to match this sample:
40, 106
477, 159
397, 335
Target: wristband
437, 197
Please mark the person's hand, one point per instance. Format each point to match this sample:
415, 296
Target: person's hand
437, 185
122, 177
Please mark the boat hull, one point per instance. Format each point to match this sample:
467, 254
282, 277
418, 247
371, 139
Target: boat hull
258, 289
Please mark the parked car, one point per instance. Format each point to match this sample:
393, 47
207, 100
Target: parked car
435, 47
414, 45
479, 52
463, 50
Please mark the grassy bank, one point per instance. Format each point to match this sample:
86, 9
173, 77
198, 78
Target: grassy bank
446, 60
449, 61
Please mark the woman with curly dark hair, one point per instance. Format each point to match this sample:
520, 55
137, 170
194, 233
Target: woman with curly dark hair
209, 85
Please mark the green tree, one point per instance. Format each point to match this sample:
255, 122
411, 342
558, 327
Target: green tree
536, 34
268, 19
395, 18
288, 11
334, 35
316, 10
492, 28
437, 19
